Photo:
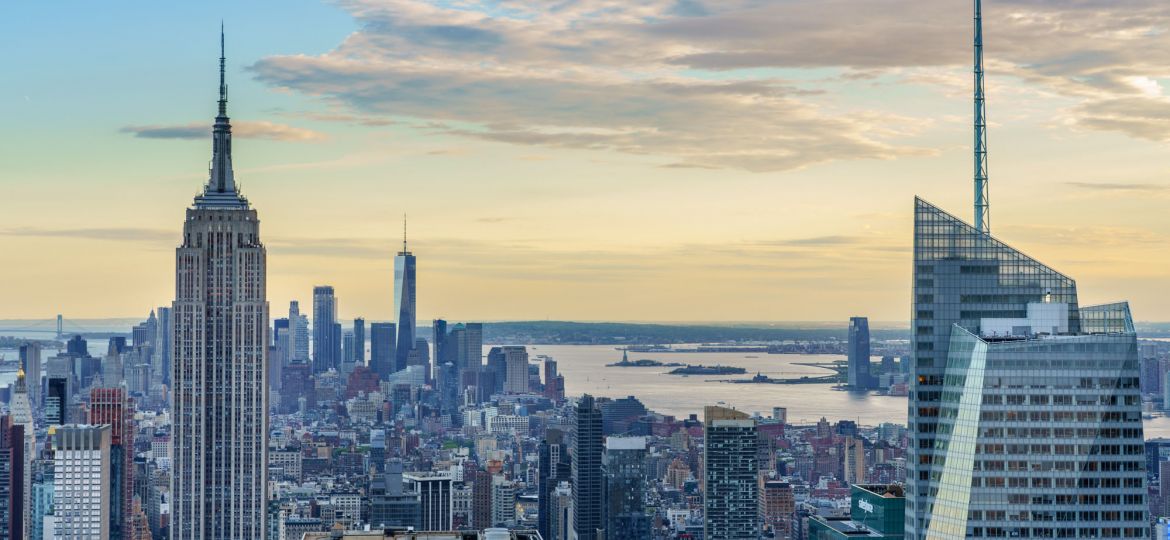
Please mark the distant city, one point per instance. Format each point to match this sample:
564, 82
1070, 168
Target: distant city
1005, 408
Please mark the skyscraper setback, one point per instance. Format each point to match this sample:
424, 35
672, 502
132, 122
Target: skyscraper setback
220, 398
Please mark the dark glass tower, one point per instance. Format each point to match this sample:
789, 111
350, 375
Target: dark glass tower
554, 466
588, 482
382, 348
859, 377
1025, 409
405, 305
326, 342
625, 489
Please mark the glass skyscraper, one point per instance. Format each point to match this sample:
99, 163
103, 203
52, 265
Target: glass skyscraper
405, 305
1025, 410
859, 377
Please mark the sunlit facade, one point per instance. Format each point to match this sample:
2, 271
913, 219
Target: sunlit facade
1025, 410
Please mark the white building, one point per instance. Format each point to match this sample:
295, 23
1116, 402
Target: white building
81, 483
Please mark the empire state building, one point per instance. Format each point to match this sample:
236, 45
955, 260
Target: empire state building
220, 394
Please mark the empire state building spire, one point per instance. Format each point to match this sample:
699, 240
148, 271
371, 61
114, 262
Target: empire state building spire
221, 190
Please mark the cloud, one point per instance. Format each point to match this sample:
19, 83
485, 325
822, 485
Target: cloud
127, 234
247, 130
590, 75
1104, 186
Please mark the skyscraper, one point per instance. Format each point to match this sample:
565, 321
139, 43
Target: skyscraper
405, 303
81, 497
553, 467
382, 349
1025, 410
22, 415
325, 356
163, 349
298, 334
220, 397
625, 489
516, 362
56, 401
859, 377
30, 362
434, 495
111, 406
359, 341
730, 483
588, 482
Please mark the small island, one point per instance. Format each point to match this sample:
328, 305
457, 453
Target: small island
707, 370
644, 362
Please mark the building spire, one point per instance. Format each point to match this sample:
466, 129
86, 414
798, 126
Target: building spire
221, 191
404, 251
222, 76
982, 199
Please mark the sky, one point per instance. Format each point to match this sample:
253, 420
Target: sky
663, 160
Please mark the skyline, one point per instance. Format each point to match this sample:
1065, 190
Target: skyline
494, 235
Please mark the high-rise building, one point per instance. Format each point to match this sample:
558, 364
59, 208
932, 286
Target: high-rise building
875, 511
588, 481
1011, 373
22, 415
56, 401
163, 349
382, 349
111, 406
324, 319
481, 500
730, 482
516, 362
220, 396
859, 376
625, 489
434, 495
298, 334
30, 362
503, 501
405, 304
390, 506
471, 350
13, 509
777, 504
81, 483
359, 341
553, 467
348, 352
853, 461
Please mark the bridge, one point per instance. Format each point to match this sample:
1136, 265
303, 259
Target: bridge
63, 328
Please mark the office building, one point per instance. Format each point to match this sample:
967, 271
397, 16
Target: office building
730, 481
503, 501
298, 334
875, 511
359, 341
163, 349
30, 362
853, 460
1025, 411
326, 348
625, 489
81, 482
390, 505
516, 366
434, 497
56, 400
382, 349
859, 375
111, 406
220, 396
13, 463
777, 504
553, 467
405, 304
21, 411
588, 480
481, 500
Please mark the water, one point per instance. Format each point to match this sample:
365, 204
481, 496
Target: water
584, 369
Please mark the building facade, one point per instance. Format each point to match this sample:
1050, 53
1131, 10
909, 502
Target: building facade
1025, 409
859, 375
81, 482
588, 480
730, 479
220, 395
405, 305
625, 489
326, 345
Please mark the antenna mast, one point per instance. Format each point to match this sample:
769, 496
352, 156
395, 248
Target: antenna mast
982, 199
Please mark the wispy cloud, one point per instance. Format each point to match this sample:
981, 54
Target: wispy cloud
247, 130
1105, 186
126, 234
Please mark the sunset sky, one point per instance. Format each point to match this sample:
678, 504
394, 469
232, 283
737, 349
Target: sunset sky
660, 160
